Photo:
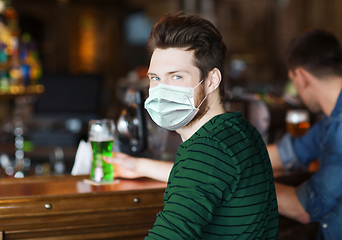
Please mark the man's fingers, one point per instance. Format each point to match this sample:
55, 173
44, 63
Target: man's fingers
112, 160
122, 160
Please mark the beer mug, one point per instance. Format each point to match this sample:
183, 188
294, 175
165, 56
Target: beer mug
297, 122
101, 137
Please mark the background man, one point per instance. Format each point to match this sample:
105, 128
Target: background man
221, 185
314, 61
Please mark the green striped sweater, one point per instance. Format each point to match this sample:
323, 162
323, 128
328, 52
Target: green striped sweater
221, 186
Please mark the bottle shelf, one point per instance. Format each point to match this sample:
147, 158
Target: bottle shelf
17, 91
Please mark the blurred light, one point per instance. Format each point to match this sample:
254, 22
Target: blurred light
88, 42
59, 167
74, 125
21, 89
9, 171
26, 162
31, 89
19, 154
40, 88
238, 65
18, 131
14, 89
19, 175
38, 170
137, 28
19, 144
4, 161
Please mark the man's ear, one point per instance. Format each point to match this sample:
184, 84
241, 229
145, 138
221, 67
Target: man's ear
213, 81
303, 77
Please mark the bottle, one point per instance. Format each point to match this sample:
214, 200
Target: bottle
4, 36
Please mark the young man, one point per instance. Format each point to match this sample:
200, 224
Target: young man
315, 66
314, 62
221, 185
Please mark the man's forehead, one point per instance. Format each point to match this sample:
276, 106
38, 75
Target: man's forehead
171, 60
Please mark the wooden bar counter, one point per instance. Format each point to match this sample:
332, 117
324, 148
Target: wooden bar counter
66, 207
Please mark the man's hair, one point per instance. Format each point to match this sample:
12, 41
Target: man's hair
192, 33
317, 51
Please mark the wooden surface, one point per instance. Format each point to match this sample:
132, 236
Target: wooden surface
66, 185
66, 207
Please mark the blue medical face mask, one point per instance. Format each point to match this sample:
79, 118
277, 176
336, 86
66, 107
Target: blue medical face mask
172, 107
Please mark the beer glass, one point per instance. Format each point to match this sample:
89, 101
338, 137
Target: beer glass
101, 137
297, 122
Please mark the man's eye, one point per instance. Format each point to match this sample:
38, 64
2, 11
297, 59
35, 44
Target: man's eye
176, 77
155, 78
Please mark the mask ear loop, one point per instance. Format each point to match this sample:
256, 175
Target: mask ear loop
199, 83
202, 101
204, 97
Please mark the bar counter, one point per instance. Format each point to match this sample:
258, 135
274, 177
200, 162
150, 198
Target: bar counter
67, 207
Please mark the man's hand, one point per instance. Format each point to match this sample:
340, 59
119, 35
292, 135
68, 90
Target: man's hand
124, 165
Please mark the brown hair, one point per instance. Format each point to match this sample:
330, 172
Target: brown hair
192, 33
317, 51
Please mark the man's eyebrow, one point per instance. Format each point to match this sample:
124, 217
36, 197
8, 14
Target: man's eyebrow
150, 74
169, 73
177, 71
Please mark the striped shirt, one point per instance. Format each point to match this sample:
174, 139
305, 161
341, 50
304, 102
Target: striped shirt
221, 186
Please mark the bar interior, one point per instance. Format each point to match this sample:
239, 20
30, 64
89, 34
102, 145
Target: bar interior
66, 62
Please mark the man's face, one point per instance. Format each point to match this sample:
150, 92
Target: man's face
308, 99
174, 66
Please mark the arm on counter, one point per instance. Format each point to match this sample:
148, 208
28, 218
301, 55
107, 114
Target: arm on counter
132, 167
274, 157
289, 205
288, 202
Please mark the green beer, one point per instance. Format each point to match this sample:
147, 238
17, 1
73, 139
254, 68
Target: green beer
101, 171
101, 137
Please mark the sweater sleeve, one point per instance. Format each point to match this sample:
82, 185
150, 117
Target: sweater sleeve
202, 176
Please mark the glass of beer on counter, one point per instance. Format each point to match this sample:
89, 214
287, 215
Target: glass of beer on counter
297, 122
101, 137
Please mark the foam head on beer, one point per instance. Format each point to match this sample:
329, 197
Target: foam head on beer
297, 122
100, 132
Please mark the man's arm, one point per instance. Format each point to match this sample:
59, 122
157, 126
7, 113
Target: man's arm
274, 157
289, 205
132, 167
288, 202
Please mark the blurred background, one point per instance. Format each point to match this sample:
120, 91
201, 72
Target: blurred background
64, 62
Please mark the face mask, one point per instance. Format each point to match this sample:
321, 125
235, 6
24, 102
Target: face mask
171, 107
